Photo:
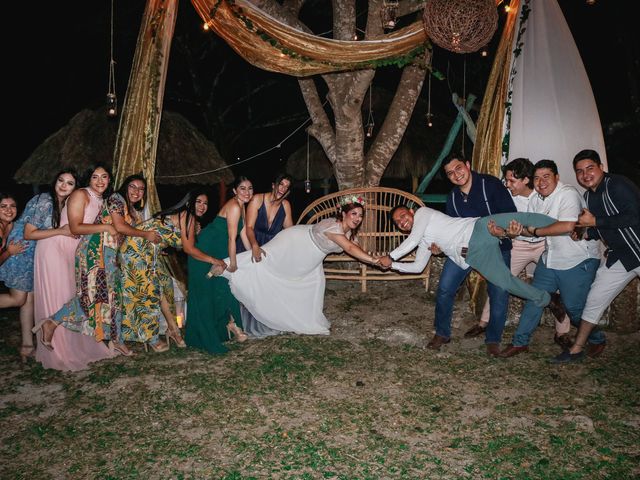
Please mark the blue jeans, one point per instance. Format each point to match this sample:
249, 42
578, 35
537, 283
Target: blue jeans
450, 280
574, 285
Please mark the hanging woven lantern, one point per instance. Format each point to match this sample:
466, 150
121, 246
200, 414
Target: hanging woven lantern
461, 26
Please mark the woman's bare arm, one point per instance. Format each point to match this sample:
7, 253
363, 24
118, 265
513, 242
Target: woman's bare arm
188, 237
233, 218
76, 205
351, 248
31, 232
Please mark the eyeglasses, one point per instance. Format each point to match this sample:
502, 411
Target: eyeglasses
135, 187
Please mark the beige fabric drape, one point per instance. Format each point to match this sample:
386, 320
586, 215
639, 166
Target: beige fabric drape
137, 140
271, 45
487, 151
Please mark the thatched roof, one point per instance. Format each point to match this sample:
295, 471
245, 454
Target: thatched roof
90, 138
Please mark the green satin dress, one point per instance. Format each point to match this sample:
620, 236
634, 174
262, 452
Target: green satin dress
210, 301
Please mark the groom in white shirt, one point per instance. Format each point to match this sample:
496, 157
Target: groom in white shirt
469, 242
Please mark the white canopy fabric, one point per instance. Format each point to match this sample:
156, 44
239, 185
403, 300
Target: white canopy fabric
553, 111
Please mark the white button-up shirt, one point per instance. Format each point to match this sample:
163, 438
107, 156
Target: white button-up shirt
564, 204
451, 234
523, 204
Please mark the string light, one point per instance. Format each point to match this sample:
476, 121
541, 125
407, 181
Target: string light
205, 26
484, 51
238, 161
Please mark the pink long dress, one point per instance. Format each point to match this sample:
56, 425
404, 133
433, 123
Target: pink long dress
55, 284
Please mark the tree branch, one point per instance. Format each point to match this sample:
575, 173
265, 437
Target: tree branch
320, 128
395, 123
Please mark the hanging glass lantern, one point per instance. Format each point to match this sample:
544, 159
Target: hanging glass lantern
389, 13
307, 186
112, 105
369, 130
429, 119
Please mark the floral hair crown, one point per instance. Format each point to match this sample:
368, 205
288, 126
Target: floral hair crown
350, 199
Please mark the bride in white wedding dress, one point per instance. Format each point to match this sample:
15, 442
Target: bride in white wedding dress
285, 291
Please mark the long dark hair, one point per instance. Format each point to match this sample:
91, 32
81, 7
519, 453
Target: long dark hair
124, 188
4, 195
236, 183
196, 192
57, 208
187, 204
86, 177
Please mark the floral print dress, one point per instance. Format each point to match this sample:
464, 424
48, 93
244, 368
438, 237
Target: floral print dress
96, 310
145, 280
17, 271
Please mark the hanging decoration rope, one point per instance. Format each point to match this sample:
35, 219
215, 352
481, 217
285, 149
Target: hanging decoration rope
429, 114
307, 182
461, 26
370, 122
112, 100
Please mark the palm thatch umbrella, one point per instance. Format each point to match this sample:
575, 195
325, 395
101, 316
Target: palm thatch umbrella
90, 137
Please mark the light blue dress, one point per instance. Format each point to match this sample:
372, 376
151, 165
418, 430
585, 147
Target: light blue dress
17, 271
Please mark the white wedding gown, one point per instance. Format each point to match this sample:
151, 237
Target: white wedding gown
285, 291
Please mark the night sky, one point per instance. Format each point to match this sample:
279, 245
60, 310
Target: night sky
59, 65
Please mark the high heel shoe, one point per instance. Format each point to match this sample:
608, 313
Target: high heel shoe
27, 352
157, 347
40, 326
176, 337
120, 348
239, 335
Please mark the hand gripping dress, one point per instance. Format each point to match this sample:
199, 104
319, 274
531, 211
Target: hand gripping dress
285, 291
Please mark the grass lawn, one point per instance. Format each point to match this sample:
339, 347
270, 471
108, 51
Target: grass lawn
367, 402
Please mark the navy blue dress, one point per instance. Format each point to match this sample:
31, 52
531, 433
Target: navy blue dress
263, 232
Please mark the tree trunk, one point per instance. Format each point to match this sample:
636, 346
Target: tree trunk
343, 142
346, 98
